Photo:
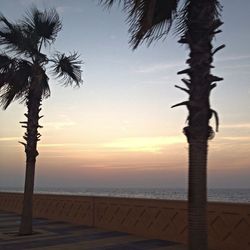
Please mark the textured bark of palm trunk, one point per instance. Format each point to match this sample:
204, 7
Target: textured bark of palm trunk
31, 136
31, 154
26, 218
201, 16
197, 196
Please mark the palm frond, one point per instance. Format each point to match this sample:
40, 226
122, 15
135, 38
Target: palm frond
16, 82
5, 65
110, 3
2, 80
183, 19
148, 20
45, 86
68, 68
13, 37
46, 24
181, 26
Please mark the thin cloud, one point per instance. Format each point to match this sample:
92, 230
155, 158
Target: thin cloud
58, 125
68, 9
237, 67
237, 138
233, 58
55, 145
29, 2
158, 67
143, 144
167, 66
143, 167
126, 144
9, 138
239, 125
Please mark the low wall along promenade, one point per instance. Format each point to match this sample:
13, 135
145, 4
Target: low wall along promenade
229, 223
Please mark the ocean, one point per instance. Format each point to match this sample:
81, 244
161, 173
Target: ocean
216, 194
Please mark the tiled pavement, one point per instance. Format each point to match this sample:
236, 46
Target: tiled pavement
61, 236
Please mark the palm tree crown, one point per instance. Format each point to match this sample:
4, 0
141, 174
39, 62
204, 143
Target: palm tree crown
23, 46
151, 20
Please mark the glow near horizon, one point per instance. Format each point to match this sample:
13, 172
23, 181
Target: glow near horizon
118, 129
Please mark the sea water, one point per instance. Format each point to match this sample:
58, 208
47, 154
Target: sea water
216, 194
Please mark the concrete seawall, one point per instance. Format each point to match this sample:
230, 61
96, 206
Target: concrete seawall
229, 223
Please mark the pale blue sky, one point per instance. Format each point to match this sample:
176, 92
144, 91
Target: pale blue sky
128, 94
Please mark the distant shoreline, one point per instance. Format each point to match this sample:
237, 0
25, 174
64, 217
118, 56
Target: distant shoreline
238, 195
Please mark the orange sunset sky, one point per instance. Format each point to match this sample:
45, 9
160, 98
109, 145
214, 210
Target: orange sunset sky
118, 129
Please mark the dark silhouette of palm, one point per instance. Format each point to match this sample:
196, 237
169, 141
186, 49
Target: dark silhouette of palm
23, 77
197, 22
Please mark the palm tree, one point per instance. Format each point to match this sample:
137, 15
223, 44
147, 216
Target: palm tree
197, 22
23, 77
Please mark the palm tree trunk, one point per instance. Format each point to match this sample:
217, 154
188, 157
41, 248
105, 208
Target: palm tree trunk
201, 24
31, 136
197, 196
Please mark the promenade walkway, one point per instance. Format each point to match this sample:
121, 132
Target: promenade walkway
56, 235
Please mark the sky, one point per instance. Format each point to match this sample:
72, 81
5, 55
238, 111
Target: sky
117, 129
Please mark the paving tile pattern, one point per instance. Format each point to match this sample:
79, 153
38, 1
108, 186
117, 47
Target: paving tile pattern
61, 236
